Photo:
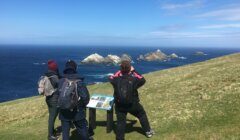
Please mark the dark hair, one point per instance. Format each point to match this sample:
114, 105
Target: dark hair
125, 66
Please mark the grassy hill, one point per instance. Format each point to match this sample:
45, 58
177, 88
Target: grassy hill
197, 101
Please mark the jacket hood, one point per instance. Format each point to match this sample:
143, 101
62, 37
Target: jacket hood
74, 76
69, 70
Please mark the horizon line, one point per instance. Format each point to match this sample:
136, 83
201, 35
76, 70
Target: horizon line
115, 46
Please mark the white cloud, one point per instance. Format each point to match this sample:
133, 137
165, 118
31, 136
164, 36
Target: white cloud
230, 14
174, 6
220, 26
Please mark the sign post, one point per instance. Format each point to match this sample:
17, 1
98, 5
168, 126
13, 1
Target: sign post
101, 102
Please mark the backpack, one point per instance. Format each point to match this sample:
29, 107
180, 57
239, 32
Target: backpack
68, 94
45, 86
125, 90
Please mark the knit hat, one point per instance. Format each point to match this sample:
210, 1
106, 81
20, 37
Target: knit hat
52, 65
70, 64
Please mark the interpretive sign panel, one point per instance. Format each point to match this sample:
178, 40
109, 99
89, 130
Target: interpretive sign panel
100, 101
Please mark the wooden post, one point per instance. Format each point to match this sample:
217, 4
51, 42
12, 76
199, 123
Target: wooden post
92, 118
109, 120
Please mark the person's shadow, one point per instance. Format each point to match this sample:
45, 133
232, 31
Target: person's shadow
129, 128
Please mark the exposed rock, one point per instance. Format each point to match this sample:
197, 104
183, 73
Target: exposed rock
108, 60
173, 56
153, 56
126, 57
112, 59
141, 57
93, 59
199, 53
159, 56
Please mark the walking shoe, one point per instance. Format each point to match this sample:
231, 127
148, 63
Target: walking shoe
150, 133
57, 132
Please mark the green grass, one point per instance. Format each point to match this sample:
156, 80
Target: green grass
197, 101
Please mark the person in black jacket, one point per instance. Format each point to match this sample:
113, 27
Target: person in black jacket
53, 75
134, 108
77, 115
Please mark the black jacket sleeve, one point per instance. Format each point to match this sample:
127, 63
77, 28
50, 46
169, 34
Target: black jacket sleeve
140, 80
83, 94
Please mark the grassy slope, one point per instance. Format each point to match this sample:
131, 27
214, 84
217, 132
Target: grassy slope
198, 101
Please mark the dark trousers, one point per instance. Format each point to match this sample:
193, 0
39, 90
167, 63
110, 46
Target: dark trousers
53, 113
81, 126
136, 110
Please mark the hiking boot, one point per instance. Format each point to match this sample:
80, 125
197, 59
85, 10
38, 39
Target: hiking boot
52, 138
150, 133
57, 132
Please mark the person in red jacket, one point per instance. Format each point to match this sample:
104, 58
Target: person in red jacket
125, 83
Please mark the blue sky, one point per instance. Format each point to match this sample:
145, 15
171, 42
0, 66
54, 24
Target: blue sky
190, 23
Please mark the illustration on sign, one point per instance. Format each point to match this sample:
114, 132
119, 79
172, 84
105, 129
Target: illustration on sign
101, 102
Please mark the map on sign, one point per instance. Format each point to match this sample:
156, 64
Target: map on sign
99, 101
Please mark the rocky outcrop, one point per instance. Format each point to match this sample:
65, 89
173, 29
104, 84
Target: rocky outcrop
158, 55
173, 56
126, 57
112, 59
108, 60
93, 59
153, 56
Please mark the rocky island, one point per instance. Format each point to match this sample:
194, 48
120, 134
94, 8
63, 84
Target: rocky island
108, 60
158, 55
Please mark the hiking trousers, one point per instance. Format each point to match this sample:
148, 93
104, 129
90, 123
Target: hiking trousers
53, 113
136, 110
81, 127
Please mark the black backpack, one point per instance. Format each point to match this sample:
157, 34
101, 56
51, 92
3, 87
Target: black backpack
68, 94
124, 92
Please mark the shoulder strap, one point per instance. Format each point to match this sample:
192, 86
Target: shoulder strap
74, 82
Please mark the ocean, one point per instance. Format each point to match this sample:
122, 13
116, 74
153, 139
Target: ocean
21, 66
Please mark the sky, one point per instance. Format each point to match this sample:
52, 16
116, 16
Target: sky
183, 23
